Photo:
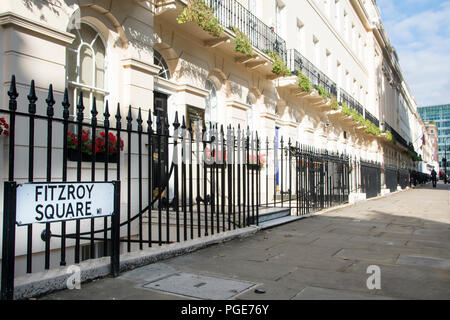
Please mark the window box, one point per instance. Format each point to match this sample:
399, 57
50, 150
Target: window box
73, 155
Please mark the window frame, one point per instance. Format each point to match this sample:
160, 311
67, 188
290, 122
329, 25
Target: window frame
77, 85
209, 116
165, 70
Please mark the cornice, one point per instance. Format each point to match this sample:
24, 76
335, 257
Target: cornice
141, 66
238, 105
10, 18
193, 90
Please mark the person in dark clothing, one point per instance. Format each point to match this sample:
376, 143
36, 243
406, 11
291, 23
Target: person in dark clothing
434, 177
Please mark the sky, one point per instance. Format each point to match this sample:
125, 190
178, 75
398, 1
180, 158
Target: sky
419, 30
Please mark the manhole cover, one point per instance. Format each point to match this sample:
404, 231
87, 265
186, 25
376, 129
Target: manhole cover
202, 287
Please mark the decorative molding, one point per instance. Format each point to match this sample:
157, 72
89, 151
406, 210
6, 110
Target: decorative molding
290, 81
165, 85
288, 123
238, 105
10, 18
212, 43
193, 90
267, 115
140, 66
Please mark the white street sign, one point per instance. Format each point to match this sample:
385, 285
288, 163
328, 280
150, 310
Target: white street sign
62, 201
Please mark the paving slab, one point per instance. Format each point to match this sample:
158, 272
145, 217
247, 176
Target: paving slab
313, 293
200, 287
408, 282
424, 261
367, 255
321, 257
148, 273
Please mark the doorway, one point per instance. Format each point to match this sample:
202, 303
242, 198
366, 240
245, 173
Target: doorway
160, 144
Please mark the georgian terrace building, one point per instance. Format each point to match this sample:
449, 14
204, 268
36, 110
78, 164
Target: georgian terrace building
135, 53
149, 55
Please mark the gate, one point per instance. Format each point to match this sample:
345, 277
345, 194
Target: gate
403, 178
391, 178
370, 179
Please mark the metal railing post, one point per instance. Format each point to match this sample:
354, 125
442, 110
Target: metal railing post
9, 240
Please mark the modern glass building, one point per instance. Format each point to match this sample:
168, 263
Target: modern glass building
441, 115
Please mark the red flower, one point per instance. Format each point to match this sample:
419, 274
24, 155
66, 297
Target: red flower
3, 126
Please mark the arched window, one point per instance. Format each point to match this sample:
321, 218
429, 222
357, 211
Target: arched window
158, 60
211, 103
86, 67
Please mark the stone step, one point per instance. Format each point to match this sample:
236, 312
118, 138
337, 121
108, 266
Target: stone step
267, 214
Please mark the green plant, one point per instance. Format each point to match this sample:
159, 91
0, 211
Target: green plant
322, 92
346, 110
372, 128
279, 67
303, 82
198, 11
334, 103
243, 45
412, 153
358, 118
389, 136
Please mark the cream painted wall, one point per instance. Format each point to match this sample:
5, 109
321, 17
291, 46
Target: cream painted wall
33, 46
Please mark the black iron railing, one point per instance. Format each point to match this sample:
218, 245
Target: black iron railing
298, 62
370, 178
231, 13
372, 118
350, 101
210, 182
396, 135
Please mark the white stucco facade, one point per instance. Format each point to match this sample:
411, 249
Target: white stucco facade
344, 39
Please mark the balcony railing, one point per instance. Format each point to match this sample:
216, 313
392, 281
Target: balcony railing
231, 13
372, 118
351, 103
396, 135
298, 62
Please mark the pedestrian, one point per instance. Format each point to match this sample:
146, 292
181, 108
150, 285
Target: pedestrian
433, 177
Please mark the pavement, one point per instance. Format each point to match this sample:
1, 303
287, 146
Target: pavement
398, 245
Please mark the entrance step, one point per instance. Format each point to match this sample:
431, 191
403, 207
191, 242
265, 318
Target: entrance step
268, 214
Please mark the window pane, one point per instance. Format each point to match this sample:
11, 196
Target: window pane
71, 65
86, 61
99, 68
87, 33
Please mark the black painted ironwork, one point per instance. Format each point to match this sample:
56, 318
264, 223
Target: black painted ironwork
230, 13
371, 179
372, 118
398, 138
212, 180
298, 62
350, 101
